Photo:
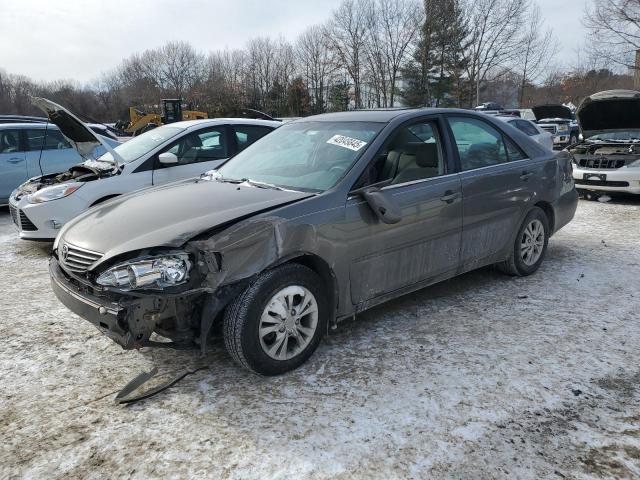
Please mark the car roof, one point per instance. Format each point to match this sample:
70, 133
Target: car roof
29, 125
224, 121
382, 115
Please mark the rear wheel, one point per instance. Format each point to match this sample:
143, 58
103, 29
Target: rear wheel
530, 245
276, 324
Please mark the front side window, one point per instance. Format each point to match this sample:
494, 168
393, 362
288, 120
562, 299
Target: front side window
46, 139
201, 146
308, 156
9, 141
413, 153
479, 144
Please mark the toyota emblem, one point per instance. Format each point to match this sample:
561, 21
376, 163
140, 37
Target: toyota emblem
65, 252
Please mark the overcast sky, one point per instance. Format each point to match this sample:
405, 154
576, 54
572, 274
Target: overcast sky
79, 39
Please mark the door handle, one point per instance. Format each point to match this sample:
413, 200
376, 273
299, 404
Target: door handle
16, 160
450, 196
525, 175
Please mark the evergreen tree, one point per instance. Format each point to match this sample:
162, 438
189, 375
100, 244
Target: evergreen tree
434, 76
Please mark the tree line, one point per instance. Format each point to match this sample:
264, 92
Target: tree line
368, 54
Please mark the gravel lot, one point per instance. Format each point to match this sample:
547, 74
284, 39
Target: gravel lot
483, 376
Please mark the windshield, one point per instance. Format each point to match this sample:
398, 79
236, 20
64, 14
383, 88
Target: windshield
136, 147
628, 135
309, 156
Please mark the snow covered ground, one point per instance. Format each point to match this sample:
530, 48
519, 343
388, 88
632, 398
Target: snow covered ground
483, 376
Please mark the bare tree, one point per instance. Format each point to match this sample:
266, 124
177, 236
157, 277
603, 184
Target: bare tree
400, 22
316, 64
538, 48
347, 32
615, 30
495, 39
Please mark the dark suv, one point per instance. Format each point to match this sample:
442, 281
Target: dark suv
323, 218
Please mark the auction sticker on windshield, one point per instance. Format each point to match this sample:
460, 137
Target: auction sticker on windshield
347, 142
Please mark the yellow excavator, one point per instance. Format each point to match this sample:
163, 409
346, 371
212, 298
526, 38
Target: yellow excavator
140, 122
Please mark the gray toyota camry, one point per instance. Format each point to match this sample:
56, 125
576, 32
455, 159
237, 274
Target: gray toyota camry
323, 218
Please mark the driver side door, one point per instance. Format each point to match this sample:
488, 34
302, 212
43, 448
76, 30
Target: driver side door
425, 244
197, 152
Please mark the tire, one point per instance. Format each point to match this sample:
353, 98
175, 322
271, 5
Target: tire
520, 262
255, 309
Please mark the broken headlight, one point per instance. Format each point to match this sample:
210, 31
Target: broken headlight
148, 273
53, 193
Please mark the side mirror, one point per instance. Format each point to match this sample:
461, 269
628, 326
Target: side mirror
168, 158
383, 205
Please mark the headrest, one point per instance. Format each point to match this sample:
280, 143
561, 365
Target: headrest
426, 153
194, 141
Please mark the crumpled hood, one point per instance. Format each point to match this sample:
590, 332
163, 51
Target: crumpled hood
609, 111
168, 215
543, 112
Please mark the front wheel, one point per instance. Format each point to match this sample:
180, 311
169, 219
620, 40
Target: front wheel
276, 324
530, 245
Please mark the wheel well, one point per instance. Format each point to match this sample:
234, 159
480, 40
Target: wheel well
548, 210
319, 266
104, 199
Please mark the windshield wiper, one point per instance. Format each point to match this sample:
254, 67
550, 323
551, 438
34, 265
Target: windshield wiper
254, 183
223, 179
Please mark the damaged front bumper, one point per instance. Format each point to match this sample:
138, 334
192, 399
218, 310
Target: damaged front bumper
183, 319
108, 316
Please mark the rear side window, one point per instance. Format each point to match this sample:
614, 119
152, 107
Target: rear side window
247, 134
479, 144
46, 139
525, 127
9, 141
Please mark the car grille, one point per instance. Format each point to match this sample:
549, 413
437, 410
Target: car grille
602, 183
14, 215
77, 259
549, 128
21, 220
601, 163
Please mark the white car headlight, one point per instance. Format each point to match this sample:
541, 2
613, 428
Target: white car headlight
53, 193
563, 128
148, 273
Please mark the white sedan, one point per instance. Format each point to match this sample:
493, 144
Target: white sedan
529, 128
165, 154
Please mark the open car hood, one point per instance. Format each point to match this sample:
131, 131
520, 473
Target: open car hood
542, 112
81, 137
609, 111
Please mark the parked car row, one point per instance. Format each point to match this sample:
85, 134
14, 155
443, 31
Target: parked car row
271, 233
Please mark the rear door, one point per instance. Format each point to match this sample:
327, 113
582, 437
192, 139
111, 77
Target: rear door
13, 167
245, 135
497, 184
197, 152
425, 244
49, 152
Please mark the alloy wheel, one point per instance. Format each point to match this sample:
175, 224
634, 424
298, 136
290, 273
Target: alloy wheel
532, 242
288, 322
